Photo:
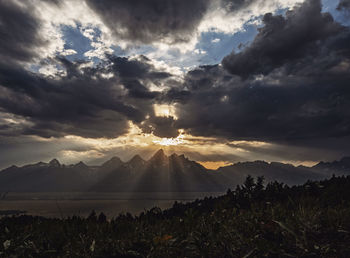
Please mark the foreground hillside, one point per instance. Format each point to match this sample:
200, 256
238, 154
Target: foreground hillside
312, 220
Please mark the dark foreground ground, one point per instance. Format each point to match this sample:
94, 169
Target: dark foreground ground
312, 220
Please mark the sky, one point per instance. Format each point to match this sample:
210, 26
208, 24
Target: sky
221, 81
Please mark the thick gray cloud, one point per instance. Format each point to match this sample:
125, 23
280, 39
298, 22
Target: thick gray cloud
343, 5
172, 21
161, 126
19, 32
284, 39
152, 20
83, 102
303, 95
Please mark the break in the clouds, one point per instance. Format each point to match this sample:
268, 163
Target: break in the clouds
281, 87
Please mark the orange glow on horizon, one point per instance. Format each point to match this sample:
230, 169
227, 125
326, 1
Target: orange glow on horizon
214, 164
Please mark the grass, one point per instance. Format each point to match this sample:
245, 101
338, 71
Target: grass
312, 220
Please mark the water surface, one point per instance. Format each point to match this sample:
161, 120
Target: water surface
112, 204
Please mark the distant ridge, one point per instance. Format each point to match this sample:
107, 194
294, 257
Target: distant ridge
174, 173
337, 167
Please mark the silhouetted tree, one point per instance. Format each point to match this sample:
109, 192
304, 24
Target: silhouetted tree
249, 184
92, 216
102, 218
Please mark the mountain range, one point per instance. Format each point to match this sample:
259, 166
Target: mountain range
161, 173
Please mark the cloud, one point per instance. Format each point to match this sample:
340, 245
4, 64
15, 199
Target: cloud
289, 86
283, 39
230, 16
163, 127
171, 21
19, 29
344, 5
83, 101
177, 24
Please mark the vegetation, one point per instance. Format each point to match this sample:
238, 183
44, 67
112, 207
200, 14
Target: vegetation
312, 220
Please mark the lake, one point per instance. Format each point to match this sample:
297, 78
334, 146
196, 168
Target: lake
68, 204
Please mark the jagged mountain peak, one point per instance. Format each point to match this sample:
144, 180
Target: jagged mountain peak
174, 156
115, 158
113, 162
39, 164
159, 155
178, 157
136, 159
160, 173
280, 164
80, 164
54, 163
160, 152
342, 164
13, 167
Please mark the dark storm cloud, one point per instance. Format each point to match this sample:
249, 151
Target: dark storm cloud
18, 32
132, 71
294, 110
56, 2
163, 127
136, 68
344, 5
152, 20
284, 39
83, 102
303, 95
289, 86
